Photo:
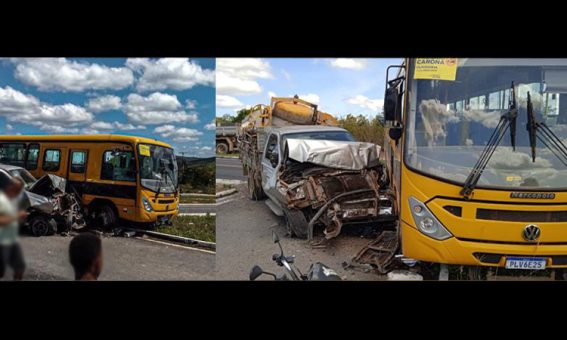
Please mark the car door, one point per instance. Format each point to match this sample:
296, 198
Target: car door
270, 165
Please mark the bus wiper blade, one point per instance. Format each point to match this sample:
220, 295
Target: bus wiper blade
507, 120
539, 130
531, 126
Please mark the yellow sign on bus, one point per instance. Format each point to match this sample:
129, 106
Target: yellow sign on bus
436, 68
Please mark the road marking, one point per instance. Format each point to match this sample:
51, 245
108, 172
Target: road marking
225, 201
175, 245
197, 214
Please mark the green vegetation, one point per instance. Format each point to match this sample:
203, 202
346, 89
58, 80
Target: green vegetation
363, 129
197, 175
232, 120
197, 199
196, 227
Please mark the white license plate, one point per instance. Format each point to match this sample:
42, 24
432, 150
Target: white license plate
529, 263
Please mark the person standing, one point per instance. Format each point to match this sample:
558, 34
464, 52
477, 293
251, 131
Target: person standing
10, 218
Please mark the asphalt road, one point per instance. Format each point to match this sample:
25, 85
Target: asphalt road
229, 168
244, 238
197, 208
124, 259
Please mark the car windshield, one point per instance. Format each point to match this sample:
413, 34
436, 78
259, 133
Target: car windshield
158, 168
321, 135
450, 121
25, 175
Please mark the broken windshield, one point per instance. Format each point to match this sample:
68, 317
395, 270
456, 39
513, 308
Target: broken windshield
158, 168
450, 121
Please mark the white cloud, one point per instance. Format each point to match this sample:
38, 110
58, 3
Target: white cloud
206, 148
367, 103
157, 108
115, 126
190, 104
348, 63
169, 73
211, 126
89, 131
286, 74
9, 127
104, 103
271, 94
23, 108
178, 134
60, 74
57, 128
228, 101
310, 97
238, 76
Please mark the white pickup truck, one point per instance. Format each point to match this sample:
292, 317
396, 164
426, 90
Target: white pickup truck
312, 174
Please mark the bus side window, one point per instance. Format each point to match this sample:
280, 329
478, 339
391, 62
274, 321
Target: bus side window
78, 160
118, 166
12, 153
32, 157
51, 160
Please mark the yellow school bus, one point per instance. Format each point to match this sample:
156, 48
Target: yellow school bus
120, 179
475, 150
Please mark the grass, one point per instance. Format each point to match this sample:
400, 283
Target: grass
196, 227
223, 187
197, 199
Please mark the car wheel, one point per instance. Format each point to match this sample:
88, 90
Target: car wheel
42, 225
222, 148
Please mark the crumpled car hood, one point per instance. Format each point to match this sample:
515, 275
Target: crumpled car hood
334, 154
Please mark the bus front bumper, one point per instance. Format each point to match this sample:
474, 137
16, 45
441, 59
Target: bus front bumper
418, 246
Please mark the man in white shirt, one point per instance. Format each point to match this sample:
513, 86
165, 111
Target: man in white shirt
10, 219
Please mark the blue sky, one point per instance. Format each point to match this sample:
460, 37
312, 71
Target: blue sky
170, 99
338, 86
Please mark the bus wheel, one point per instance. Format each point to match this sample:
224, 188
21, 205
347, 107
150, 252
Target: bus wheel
41, 225
296, 223
222, 148
107, 218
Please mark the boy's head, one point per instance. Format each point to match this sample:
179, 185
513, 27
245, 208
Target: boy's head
85, 254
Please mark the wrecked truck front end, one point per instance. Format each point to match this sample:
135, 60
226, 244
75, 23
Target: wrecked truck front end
333, 183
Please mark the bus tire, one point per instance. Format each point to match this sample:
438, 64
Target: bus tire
222, 148
296, 223
107, 219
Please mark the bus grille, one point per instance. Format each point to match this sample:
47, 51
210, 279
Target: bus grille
166, 201
521, 216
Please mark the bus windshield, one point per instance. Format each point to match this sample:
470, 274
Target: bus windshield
158, 168
450, 121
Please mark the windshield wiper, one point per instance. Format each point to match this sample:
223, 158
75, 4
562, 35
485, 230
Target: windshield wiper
507, 120
546, 136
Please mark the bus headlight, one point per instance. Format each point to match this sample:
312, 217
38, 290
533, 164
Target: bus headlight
147, 205
426, 222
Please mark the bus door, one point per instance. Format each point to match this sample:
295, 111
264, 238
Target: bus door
77, 169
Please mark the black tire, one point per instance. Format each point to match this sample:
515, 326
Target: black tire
222, 148
106, 218
296, 223
41, 225
255, 193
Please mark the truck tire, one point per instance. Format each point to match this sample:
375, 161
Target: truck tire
222, 148
255, 193
296, 223
41, 225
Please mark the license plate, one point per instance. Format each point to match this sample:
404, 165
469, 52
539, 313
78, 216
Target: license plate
529, 263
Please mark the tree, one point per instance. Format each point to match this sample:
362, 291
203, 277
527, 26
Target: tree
364, 130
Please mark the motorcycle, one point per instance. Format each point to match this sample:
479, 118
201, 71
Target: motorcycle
317, 271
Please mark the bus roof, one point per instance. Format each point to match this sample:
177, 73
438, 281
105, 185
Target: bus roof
83, 138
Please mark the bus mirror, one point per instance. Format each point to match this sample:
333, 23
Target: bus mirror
395, 133
390, 104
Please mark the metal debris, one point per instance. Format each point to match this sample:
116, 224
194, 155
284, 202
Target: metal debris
379, 254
